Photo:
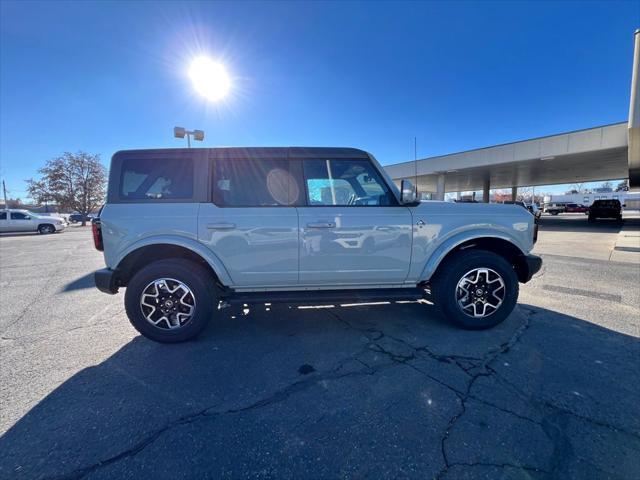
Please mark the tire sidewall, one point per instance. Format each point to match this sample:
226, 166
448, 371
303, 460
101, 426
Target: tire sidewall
461, 263
191, 274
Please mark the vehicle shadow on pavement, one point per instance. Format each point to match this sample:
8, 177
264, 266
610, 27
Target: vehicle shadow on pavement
580, 223
86, 281
21, 234
356, 391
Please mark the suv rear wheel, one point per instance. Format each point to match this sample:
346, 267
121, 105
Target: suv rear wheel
476, 289
170, 300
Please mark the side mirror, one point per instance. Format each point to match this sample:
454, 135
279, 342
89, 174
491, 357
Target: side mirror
408, 193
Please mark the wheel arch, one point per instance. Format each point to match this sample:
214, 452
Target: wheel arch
499, 245
141, 255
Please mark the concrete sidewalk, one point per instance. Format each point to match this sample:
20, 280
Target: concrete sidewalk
627, 246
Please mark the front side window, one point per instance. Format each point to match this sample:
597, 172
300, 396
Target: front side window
19, 216
256, 183
154, 179
3, 215
345, 183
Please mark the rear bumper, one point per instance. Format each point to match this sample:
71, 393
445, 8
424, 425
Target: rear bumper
106, 281
534, 264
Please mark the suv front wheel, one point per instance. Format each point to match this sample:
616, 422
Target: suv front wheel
476, 289
170, 300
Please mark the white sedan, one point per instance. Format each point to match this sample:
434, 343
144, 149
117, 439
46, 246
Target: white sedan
26, 221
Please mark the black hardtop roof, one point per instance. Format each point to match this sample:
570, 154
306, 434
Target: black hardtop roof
256, 152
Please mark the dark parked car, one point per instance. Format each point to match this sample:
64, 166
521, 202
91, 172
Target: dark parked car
78, 217
605, 209
532, 207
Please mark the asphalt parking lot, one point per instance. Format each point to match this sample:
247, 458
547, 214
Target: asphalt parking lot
351, 391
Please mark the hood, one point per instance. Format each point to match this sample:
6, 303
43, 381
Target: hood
454, 208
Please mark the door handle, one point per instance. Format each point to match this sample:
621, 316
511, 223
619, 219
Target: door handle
221, 226
321, 225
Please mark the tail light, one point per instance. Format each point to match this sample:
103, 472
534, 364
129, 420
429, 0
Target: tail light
96, 229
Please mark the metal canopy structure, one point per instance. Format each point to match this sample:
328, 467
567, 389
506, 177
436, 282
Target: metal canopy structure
600, 153
585, 155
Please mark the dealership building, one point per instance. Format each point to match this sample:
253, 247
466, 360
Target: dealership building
592, 154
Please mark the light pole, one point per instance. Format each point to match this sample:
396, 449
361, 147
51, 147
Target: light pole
181, 132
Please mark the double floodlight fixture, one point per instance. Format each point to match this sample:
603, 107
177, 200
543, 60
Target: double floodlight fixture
181, 132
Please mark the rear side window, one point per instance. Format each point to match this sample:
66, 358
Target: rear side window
155, 179
256, 183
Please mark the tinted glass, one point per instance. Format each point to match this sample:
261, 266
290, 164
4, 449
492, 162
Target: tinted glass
151, 179
3, 215
19, 216
256, 183
345, 183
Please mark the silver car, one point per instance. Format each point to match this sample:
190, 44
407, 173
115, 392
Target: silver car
15, 220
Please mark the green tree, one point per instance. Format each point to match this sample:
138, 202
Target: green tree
75, 181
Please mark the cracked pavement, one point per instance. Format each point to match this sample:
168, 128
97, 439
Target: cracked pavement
364, 391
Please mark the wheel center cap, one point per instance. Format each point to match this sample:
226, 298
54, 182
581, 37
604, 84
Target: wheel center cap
479, 292
168, 303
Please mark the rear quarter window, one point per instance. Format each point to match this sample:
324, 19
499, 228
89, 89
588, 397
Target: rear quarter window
156, 179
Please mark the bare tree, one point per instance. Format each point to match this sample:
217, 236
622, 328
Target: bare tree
74, 181
622, 186
606, 184
578, 187
525, 193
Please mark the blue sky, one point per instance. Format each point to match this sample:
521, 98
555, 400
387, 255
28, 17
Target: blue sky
107, 76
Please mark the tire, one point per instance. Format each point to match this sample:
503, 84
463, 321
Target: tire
200, 292
461, 264
46, 228
554, 212
592, 218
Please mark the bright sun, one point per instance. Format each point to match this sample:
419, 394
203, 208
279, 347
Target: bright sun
210, 79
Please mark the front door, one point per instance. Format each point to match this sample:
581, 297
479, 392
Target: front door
353, 232
21, 222
252, 224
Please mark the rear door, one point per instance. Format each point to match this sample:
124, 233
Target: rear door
353, 231
4, 221
251, 222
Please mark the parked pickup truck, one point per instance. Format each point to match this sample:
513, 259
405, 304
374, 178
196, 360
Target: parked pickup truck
189, 230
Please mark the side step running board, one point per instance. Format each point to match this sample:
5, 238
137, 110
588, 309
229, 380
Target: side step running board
326, 296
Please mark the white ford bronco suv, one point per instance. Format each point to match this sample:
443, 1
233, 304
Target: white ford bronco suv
188, 230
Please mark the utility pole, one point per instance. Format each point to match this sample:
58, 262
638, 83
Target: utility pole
415, 158
4, 190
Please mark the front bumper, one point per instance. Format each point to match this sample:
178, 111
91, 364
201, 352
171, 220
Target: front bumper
60, 227
533, 266
106, 281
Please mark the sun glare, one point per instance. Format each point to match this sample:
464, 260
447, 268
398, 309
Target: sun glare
210, 79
